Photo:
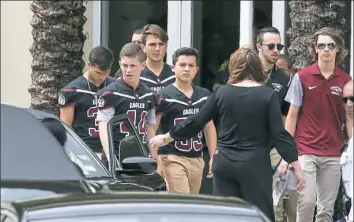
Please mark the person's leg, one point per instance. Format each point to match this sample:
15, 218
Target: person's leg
207, 183
307, 197
195, 174
224, 183
175, 173
256, 186
328, 181
279, 211
275, 158
290, 205
279, 208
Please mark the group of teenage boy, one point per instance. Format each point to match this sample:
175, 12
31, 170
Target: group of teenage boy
157, 96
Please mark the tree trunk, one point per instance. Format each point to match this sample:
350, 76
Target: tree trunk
307, 17
57, 49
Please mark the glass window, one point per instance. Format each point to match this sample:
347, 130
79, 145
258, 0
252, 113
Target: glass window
80, 154
124, 17
160, 218
126, 142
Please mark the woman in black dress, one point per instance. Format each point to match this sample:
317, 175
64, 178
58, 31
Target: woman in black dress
248, 118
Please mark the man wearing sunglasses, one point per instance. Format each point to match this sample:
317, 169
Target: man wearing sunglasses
315, 120
347, 155
269, 45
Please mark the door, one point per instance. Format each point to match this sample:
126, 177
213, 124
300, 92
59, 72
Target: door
121, 18
215, 33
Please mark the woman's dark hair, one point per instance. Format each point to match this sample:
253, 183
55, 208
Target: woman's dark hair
56, 128
101, 57
245, 64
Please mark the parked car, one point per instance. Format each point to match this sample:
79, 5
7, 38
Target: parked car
32, 160
136, 171
131, 206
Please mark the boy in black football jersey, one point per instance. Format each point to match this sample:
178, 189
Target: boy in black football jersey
78, 100
156, 74
181, 162
128, 96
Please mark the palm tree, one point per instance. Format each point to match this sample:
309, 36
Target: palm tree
308, 16
57, 49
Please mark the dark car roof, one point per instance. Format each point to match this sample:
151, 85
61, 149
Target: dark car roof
132, 201
40, 114
29, 151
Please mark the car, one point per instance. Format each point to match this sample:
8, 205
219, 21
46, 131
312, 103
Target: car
133, 170
131, 206
32, 160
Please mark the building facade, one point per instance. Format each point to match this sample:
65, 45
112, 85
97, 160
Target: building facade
215, 28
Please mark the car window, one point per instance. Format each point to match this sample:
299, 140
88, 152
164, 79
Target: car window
80, 154
160, 218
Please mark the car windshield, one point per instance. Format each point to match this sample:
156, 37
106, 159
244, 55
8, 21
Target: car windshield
80, 154
153, 217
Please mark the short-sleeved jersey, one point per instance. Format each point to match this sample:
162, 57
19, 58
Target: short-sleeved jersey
134, 103
83, 94
175, 107
157, 83
280, 82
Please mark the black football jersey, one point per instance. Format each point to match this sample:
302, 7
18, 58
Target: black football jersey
134, 103
280, 82
83, 94
157, 83
176, 107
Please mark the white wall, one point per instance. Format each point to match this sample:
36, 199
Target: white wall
16, 39
16, 59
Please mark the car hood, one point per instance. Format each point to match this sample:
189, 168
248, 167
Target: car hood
155, 181
106, 185
19, 190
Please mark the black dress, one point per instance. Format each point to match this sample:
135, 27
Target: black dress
247, 119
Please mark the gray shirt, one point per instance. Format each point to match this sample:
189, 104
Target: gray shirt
295, 92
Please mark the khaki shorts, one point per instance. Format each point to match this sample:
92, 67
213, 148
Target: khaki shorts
182, 174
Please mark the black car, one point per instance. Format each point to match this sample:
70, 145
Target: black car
33, 161
131, 207
134, 171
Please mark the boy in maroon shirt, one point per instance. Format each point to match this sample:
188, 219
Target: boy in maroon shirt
315, 119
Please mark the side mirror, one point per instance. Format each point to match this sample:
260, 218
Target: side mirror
139, 165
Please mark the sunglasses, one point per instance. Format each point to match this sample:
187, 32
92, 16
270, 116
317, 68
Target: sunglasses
272, 46
345, 99
330, 46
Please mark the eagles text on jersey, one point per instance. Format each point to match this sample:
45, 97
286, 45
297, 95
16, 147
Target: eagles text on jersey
175, 108
83, 94
134, 103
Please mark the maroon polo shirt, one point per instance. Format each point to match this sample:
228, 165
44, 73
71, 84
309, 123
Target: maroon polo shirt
321, 117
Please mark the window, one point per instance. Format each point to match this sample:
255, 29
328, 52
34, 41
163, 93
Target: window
80, 154
161, 217
122, 18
